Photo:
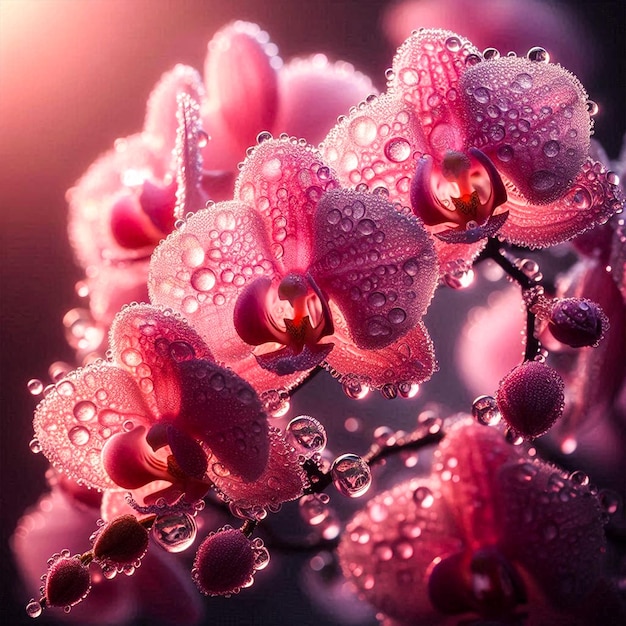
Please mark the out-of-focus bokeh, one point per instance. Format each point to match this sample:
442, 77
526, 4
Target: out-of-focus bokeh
75, 75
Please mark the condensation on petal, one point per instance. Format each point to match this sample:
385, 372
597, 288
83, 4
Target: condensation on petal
561, 542
148, 342
225, 413
283, 180
590, 200
531, 119
378, 265
333, 87
81, 413
161, 120
282, 480
377, 145
200, 271
390, 546
411, 359
241, 82
426, 73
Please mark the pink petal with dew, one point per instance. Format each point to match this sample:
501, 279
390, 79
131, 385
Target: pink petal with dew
115, 503
224, 412
393, 543
398, 367
161, 111
112, 285
242, 89
202, 269
426, 76
531, 118
467, 462
590, 200
558, 513
378, 144
378, 265
74, 421
284, 180
190, 139
283, 479
148, 342
117, 174
333, 87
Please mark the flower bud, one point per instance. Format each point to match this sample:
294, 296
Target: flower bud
530, 398
224, 563
577, 322
121, 542
67, 582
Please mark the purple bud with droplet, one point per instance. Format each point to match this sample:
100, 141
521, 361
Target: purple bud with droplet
67, 582
224, 563
530, 398
577, 322
122, 541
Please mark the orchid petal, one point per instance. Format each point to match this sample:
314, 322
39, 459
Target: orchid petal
242, 90
161, 111
283, 181
251, 316
73, 422
286, 361
391, 545
334, 87
201, 271
283, 478
148, 342
409, 360
377, 144
472, 235
224, 412
537, 129
378, 265
591, 200
189, 139
427, 69
187, 453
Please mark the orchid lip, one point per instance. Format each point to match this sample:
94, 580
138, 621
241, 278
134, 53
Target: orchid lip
461, 193
293, 314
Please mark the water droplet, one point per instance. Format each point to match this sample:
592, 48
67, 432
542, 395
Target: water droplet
181, 351
264, 136
453, 44
131, 357
314, 509
34, 608
538, 55
481, 95
458, 275
306, 434
34, 386
489, 54
397, 149
354, 389
363, 130
592, 108
579, 478
485, 411
78, 435
470, 61
351, 475
203, 139
612, 178
423, 496
581, 198
513, 437
609, 501
174, 532
396, 315
35, 446
261, 557
551, 148
203, 279
542, 180
505, 153
84, 411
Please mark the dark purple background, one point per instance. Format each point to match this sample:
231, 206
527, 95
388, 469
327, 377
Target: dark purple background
74, 75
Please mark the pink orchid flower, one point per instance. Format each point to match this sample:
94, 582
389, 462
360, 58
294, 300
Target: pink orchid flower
296, 272
162, 410
129, 199
478, 146
487, 535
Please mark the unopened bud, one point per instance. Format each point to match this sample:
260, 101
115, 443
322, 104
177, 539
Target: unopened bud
577, 322
67, 582
121, 542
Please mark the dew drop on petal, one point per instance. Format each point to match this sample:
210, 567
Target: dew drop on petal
612, 178
34, 386
397, 149
78, 435
174, 532
592, 108
453, 44
263, 136
351, 475
203, 139
485, 411
538, 55
203, 279
84, 411
35, 445
261, 558
33, 608
423, 496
